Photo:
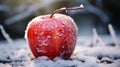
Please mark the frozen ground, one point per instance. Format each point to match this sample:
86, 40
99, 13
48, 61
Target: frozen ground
89, 52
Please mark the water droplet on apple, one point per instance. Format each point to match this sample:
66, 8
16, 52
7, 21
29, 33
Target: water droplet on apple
48, 36
42, 33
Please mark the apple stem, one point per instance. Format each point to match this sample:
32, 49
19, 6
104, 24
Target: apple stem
65, 9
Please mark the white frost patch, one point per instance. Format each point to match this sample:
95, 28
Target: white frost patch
5, 65
63, 46
39, 50
81, 6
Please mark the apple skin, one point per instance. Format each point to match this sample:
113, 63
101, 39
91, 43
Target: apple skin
52, 37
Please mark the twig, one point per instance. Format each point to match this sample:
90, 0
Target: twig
97, 39
65, 9
7, 37
112, 32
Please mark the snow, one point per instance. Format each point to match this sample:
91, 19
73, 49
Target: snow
84, 55
81, 6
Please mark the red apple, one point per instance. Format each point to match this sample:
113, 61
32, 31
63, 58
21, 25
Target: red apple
52, 37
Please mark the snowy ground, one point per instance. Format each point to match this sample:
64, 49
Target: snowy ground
88, 53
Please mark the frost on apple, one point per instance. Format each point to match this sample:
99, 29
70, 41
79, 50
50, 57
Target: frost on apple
46, 33
40, 50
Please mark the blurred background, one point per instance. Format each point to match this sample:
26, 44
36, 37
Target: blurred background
15, 15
